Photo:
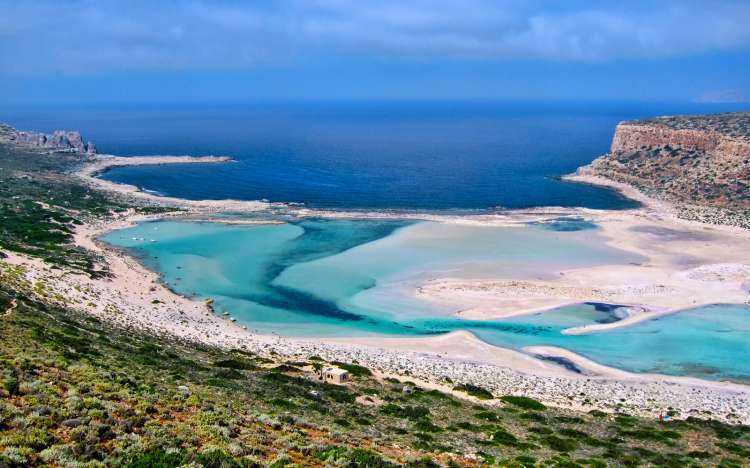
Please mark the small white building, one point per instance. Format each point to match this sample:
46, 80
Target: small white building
334, 375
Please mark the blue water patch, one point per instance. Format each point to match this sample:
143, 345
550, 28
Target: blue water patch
412, 156
565, 224
320, 277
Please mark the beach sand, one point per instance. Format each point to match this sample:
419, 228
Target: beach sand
685, 265
101, 163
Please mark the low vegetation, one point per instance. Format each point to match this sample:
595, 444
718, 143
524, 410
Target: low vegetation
74, 390
475, 391
40, 207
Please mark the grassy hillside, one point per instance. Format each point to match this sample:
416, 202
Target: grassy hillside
75, 390
40, 205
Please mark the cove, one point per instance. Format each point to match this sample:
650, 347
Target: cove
320, 277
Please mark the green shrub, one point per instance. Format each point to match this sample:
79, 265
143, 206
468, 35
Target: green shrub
475, 391
217, 459
503, 437
157, 458
367, 458
11, 385
467, 426
282, 403
239, 364
355, 457
407, 412
541, 430
425, 425
285, 368
526, 461
354, 369
560, 444
523, 402
532, 416
424, 462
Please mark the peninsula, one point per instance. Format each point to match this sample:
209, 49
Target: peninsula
700, 164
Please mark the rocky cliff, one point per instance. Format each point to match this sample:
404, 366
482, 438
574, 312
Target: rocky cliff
57, 141
699, 160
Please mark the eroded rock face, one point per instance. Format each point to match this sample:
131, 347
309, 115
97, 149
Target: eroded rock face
703, 160
632, 137
60, 140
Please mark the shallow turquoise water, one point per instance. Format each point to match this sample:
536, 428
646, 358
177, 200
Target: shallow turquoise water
355, 277
708, 342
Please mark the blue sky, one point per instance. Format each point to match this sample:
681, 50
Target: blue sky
191, 50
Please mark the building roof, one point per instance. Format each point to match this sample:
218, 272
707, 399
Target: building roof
335, 371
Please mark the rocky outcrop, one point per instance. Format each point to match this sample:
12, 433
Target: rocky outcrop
632, 137
701, 160
59, 140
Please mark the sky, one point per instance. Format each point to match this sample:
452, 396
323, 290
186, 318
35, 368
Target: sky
101, 51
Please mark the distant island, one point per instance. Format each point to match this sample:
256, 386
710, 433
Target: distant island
104, 361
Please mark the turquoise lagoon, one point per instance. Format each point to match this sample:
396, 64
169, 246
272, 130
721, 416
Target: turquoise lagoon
319, 277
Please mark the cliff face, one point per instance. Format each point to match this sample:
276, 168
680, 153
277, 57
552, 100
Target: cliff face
58, 141
631, 137
702, 160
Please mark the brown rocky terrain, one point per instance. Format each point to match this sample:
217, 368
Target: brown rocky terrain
700, 160
700, 164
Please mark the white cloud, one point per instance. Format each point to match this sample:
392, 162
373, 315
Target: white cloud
83, 36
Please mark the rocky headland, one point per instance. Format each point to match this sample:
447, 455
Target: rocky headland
701, 164
59, 140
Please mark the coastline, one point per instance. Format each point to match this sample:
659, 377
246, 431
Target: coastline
460, 355
99, 164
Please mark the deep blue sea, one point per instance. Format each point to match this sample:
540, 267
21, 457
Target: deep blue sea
386, 155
